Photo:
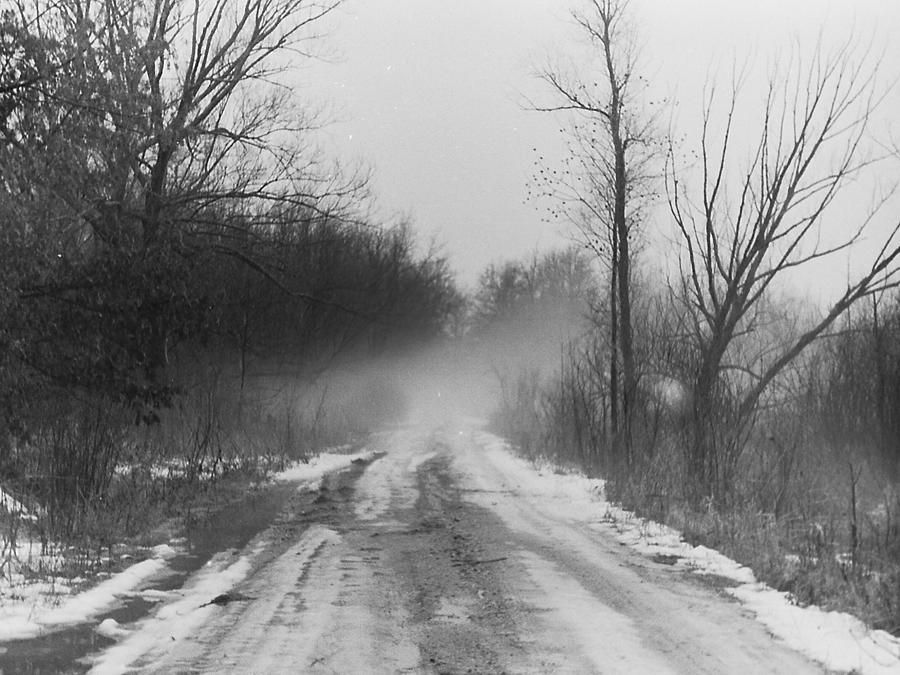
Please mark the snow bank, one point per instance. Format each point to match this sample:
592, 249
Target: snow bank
837, 640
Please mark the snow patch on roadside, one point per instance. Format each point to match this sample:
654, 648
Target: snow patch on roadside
177, 621
112, 629
311, 473
29, 610
837, 640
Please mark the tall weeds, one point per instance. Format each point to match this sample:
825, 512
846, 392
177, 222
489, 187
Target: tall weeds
812, 515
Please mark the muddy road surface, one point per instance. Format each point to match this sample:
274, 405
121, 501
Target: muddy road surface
431, 561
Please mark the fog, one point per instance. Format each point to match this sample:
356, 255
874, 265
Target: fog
439, 384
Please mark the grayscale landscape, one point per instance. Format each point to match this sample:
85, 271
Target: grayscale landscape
509, 336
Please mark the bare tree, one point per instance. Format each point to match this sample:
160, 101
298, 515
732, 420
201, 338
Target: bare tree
219, 121
138, 140
742, 231
604, 182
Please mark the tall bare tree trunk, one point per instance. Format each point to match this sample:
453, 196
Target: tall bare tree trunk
606, 206
622, 266
614, 348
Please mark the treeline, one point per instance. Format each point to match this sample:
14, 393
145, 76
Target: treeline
706, 397
812, 501
171, 237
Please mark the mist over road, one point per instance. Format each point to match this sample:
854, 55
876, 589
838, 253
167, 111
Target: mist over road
430, 560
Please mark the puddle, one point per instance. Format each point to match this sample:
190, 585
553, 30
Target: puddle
231, 527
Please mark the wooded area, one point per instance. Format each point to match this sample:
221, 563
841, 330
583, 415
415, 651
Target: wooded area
175, 248
710, 399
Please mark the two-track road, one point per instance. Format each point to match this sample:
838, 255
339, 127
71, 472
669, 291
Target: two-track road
431, 560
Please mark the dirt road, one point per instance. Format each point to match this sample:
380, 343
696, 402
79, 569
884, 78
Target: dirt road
430, 560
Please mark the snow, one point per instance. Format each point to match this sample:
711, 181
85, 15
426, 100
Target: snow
838, 641
164, 551
310, 474
43, 607
580, 618
178, 619
31, 608
12, 505
419, 460
383, 480
110, 628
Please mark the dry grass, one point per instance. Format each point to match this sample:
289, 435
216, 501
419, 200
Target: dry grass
818, 522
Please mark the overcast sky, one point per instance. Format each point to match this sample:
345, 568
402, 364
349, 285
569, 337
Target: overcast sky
430, 93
